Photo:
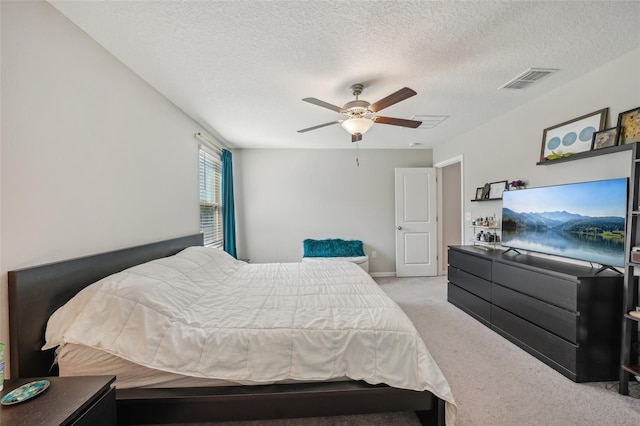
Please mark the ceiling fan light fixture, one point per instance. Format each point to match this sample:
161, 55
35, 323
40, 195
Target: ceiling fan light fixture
359, 112
357, 125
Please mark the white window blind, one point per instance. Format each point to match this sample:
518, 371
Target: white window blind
210, 198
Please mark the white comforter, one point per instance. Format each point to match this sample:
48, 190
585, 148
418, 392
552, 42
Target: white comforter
204, 314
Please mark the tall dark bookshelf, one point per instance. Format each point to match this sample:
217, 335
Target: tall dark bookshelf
629, 365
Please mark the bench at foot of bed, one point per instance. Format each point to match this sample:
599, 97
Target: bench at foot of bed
335, 249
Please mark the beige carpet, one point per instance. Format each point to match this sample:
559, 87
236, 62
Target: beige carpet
494, 382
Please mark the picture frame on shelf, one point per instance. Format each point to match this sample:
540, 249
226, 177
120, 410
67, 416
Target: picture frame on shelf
629, 126
572, 136
497, 188
605, 138
479, 193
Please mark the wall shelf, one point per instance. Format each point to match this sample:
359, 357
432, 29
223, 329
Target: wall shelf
586, 154
487, 199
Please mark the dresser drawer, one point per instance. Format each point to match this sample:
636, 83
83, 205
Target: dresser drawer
473, 305
559, 321
471, 283
557, 291
472, 264
554, 350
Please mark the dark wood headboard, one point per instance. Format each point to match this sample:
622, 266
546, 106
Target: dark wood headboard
35, 293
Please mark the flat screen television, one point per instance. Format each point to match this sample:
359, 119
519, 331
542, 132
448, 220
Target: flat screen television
584, 221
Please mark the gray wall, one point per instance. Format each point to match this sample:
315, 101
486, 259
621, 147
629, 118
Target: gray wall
508, 147
93, 158
285, 196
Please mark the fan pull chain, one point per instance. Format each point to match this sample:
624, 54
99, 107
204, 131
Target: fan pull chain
357, 159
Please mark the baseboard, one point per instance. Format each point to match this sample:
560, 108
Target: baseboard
383, 274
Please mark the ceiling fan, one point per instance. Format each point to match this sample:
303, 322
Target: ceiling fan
360, 112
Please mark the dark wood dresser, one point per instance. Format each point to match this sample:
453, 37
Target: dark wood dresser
562, 313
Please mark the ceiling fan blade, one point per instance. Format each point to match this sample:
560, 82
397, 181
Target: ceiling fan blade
319, 126
393, 98
356, 137
397, 121
324, 104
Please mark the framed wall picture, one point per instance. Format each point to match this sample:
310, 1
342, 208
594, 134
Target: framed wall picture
605, 138
479, 192
497, 188
629, 126
572, 136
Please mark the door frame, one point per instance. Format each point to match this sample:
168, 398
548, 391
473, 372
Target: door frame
442, 267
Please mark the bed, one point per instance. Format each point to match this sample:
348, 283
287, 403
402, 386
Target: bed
36, 293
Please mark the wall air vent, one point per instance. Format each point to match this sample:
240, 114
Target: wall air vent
527, 78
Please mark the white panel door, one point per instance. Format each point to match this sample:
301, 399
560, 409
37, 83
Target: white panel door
416, 226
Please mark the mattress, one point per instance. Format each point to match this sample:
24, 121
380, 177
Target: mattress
203, 314
79, 360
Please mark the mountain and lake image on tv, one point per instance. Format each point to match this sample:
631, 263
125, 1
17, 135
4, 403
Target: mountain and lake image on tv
584, 221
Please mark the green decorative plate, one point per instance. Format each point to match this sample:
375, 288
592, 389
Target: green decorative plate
25, 392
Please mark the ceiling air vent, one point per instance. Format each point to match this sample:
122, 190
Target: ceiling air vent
429, 121
527, 78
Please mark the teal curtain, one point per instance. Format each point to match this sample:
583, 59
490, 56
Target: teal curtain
228, 208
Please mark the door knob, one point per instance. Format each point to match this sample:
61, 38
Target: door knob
399, 228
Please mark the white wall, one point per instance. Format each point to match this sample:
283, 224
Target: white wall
509, 146
93, 158
289, 195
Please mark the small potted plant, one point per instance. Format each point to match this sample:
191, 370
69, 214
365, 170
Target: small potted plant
517, 184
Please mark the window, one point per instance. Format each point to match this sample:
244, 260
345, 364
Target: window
210, 198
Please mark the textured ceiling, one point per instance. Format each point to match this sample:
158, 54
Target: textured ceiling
241, 68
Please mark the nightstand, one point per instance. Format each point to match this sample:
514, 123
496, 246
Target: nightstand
78, 401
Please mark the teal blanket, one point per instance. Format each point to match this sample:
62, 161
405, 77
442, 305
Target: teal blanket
333, 248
